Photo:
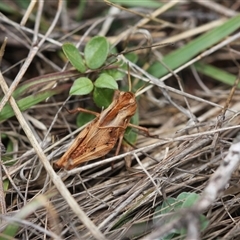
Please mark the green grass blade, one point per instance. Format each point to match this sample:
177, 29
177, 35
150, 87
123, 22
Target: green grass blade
29, 101
134, 3
36, 83
216, 73
176, 58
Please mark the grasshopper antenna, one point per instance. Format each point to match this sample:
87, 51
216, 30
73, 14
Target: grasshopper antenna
130, 83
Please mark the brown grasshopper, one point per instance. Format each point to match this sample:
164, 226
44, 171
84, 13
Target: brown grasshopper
100, 136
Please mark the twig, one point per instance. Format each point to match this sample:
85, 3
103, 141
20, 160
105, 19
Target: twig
148, 174
147, 148
54, 177
217, 8
29, 59
221, 176
213, 190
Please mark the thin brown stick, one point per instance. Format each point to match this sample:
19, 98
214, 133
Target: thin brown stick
54, 177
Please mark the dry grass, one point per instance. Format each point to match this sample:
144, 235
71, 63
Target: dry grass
192, 119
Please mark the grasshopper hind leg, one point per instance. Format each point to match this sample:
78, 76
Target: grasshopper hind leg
118, 147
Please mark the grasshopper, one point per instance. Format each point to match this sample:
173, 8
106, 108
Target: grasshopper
101, 134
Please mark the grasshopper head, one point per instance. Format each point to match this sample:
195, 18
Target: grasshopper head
119, 112
125, 101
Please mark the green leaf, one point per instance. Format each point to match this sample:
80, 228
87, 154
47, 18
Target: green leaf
96, 52
119, 75
171, 205
115, 73
188, 199
106, 81
81, 86
73, 55
34, 84
7, 159
130, 135
6, 184
103, 97
196, 46
166, 207
203, 222
83, 118
133, 57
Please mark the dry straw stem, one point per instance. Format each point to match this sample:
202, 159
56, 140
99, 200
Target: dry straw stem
212, 191
33, 51
148, 148
181, 160
216, 186
147, 18
142, 22
159, 82
54, 177
217, 8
